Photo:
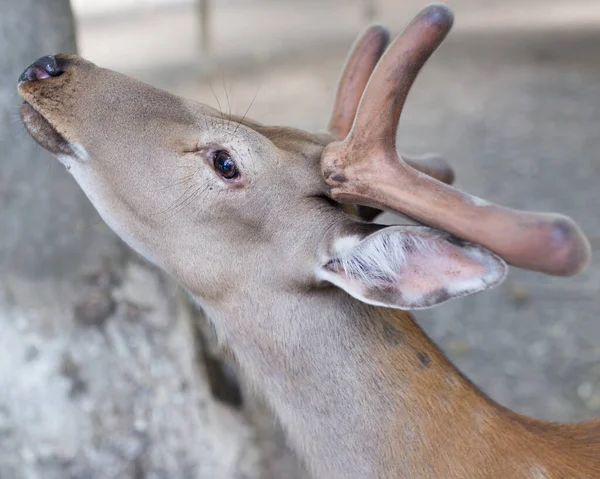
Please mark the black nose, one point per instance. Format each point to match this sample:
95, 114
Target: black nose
44, 67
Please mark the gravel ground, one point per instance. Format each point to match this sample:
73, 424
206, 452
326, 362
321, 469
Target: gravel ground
518, 115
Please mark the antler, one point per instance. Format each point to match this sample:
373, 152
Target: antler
361, 62
365, 169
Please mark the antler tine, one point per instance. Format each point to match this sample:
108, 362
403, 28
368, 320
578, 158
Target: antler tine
384, 97
361, 62
365, 169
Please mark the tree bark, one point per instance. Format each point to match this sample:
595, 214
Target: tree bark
101, 371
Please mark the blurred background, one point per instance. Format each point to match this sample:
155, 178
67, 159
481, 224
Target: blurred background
106, 371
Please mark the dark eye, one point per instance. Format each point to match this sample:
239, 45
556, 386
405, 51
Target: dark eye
224, 164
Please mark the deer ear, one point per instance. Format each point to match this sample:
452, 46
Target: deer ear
411, 267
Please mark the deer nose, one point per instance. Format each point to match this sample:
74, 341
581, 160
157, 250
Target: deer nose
42, 68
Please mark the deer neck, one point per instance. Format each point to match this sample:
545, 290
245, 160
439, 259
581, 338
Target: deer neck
360, 390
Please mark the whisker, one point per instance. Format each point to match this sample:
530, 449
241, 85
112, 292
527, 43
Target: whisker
247, 110
189, 200
15, 118
227, 97
178, 182
177, 201
216, 98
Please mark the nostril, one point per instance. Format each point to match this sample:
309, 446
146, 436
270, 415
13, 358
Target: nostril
42, 68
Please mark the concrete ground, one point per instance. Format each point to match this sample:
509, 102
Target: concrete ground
512, 100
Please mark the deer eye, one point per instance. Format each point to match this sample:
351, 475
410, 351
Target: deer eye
225, 165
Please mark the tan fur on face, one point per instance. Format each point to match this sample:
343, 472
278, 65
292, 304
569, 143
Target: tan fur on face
159, 194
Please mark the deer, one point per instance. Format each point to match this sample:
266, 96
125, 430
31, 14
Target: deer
270, 230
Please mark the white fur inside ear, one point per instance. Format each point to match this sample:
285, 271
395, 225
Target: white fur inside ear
413, 267
381, 258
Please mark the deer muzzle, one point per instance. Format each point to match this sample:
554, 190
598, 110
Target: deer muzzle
42, 87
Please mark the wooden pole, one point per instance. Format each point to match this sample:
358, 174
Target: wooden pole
204, 14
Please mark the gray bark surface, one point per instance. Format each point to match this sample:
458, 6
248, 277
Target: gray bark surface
101, 371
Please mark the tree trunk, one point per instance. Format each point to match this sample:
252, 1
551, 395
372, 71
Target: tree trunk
101, 371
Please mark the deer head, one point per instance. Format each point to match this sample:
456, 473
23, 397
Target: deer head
228, 206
